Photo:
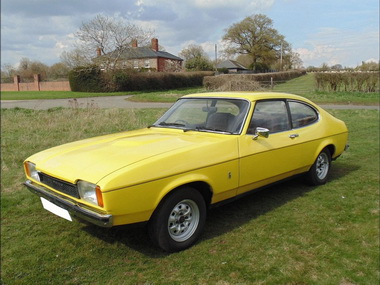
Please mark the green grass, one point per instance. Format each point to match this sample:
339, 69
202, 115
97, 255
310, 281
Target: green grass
164, 96
288, 234
305, 86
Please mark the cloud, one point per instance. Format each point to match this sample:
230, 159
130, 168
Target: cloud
336, 32
40, 29
339, 46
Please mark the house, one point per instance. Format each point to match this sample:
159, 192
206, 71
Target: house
150, 58
232, 66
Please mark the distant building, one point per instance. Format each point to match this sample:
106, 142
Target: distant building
136, 57
232, 66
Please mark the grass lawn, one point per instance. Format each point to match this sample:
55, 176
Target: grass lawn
165, 96
305, 86
288, 234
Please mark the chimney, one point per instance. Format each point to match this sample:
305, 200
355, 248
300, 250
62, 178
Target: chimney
155, 44
98, 51
134, 43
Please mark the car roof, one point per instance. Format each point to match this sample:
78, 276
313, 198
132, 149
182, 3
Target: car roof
251, 96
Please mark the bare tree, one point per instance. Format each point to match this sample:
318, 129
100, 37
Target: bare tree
76, 57
295, 60
27, 68
107, 37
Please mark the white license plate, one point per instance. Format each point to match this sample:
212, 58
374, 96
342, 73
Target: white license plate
55, 209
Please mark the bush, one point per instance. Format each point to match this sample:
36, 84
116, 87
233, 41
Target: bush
347, 81
133, 81
87, 79
247, 82
92, 79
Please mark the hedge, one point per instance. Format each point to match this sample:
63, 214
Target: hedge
247, 82
348, 81
92, 79
87, 79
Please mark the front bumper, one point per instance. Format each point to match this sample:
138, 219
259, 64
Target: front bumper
75, 210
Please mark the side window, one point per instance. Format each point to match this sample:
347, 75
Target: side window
272, 115
302, 115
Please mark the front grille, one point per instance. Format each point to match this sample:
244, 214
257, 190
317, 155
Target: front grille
59, 185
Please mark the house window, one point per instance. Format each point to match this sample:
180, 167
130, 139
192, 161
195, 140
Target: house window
136, 64
147, 63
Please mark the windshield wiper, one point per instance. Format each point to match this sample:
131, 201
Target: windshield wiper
204, 129
165, 124
171, 124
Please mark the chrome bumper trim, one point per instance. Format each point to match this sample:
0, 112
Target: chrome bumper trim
74, 209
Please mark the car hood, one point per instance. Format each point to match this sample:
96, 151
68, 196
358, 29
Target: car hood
95, 158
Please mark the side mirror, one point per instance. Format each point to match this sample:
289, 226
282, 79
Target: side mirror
261, 132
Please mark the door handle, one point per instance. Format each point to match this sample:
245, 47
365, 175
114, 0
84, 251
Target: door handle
293, 136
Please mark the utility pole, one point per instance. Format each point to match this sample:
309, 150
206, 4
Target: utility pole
281, 58
216, 56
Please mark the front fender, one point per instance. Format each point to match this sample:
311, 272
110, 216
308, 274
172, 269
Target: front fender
183, 180
137, 203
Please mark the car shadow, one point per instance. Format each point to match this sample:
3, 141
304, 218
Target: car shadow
222, 219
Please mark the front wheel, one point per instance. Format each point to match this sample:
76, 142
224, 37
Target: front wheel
179, 220
319, 172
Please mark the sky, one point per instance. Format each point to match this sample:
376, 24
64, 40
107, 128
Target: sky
342, 32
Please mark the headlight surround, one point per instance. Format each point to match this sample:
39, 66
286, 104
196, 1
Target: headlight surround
31, 171
90, 193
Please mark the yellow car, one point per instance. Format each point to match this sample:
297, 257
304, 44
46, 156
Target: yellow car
206, 149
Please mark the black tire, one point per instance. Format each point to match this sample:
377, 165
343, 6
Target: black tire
178, 221
319, 172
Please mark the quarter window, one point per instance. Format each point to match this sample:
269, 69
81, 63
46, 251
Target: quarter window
272, 115
302, 114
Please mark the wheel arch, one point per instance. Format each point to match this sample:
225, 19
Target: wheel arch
200, 185
331, 149
326, 144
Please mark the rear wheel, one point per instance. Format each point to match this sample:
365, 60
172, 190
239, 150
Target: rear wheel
179, 220
319, 172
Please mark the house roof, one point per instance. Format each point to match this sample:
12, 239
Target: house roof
143, 52
231, 64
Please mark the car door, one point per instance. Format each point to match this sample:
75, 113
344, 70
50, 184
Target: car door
282, 154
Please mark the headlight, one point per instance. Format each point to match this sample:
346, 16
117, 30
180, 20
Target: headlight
31, 171
90, 193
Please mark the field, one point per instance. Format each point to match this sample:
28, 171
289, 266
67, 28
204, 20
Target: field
288, 234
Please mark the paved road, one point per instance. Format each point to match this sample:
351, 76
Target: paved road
115, 102
90, 102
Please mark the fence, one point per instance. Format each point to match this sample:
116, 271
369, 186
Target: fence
36, 85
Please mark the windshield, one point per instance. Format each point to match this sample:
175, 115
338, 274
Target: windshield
206, 114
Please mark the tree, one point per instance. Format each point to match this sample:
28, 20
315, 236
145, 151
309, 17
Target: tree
7, 73
28, 68
295, 61
196, 59
59, 71
76, 58
107, 36
369, 66
337, 67
256, 37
